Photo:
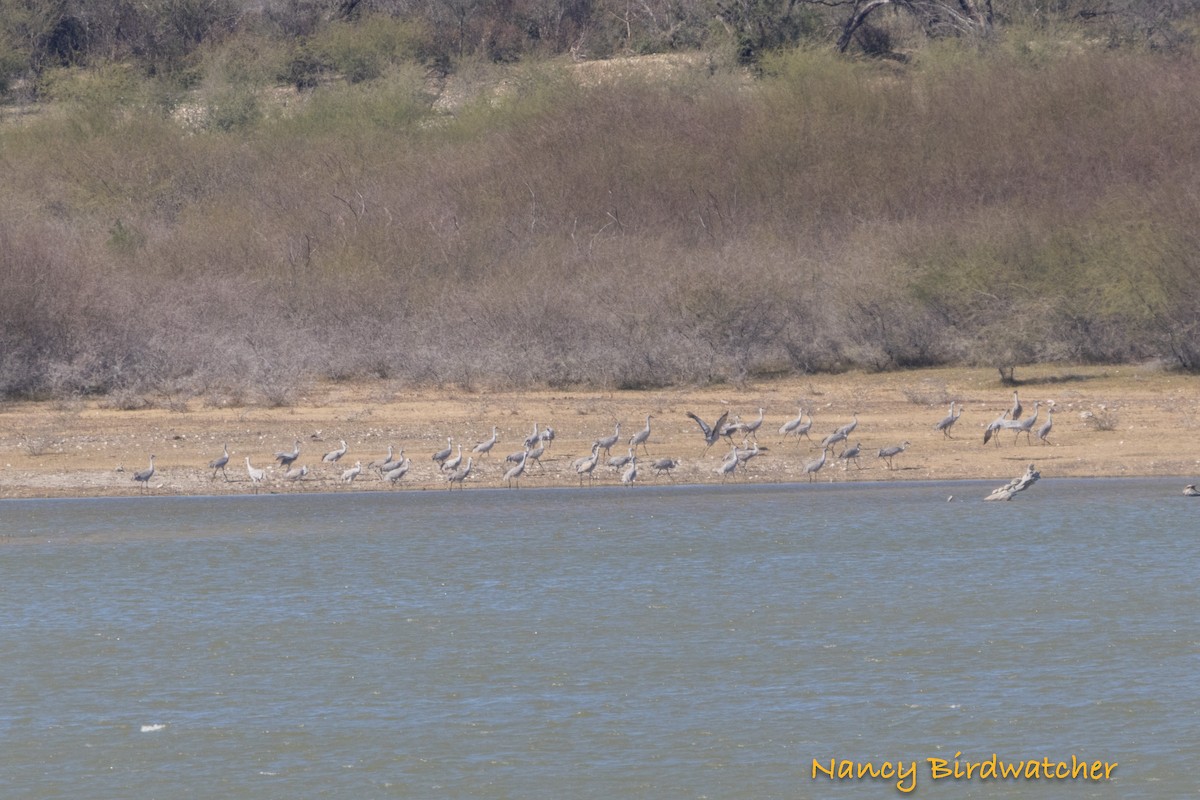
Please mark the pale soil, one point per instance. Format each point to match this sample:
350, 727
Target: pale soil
1113, 421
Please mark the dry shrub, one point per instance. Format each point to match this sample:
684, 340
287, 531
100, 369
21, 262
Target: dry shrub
636, 233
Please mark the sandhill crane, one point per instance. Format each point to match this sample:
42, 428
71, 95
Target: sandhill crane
515, 458
145, 475
616, 462
533, 438
851, 454
849, 427
587, 464
333, 455
995, 425
1025, 426
813, 467
751, 428
1043, 432
296, 473
802, 428
630, 474
664, 465
218, 463
515, 473
730, 428
397, 472
392, 461
791, 425
833, 438
450, 465
888, 453
535, 455
727, 468
746, 429
1015, 412
641, 436
485, 447
744, 454
548, 435
256, 475
608, 441
349, 475
947, 422
388, 459
711, 435
459, 476
285, 458
441, 455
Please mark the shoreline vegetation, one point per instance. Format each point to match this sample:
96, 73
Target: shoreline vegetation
1126, 421
259, 211
257, 223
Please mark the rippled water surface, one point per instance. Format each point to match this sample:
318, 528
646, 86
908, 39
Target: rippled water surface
611, 643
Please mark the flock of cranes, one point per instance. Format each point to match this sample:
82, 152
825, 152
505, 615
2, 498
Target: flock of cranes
457, 463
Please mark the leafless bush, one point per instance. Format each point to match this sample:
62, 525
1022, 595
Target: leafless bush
1102, 419
627, 235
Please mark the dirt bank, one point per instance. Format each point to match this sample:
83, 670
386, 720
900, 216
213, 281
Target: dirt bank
1112, 421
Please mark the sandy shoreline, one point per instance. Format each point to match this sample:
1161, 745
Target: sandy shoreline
1108, 422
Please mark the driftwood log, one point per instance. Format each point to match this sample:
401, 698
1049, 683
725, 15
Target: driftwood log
1020, 484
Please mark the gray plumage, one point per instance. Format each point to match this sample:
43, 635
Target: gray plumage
388, 460
640, 438
1043, 433
441, 455
794, 425
1014, 413
849, 427
947, 422
451, 464
617, 462
631, 472
485, 447
813, 467
296, 473
515, 473
727, 468
459, 476
218, 464
851, 454
256, 475
833, 438
888, 453
994, 426
1024, 426
286, 459
535, 455
349, 475
608, 441
145, 475
711, 434
533, 438
397, 472
744, 454
751, 428
587, 464
333, 455
664, 465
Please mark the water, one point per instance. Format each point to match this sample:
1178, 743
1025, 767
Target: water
610, 643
